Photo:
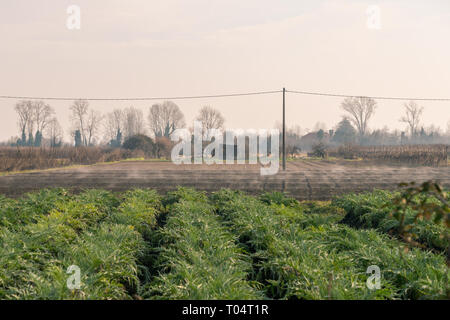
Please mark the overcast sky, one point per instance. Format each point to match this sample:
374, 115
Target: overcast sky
142, 48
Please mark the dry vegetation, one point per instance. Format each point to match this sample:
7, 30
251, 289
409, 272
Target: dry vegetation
29, 158
429, 155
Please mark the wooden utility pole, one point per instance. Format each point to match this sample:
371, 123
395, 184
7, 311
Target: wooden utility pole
284, 129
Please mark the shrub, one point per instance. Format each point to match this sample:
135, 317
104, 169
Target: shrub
163, 147
320, 150
140, 142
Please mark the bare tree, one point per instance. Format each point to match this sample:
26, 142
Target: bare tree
133, 122
24, 110
93, 126
114, 124
42, 114
412, 116
79, 110
210, 118
165, 118
54, 132
33, 115
361, 109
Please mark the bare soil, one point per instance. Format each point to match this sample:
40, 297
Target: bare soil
303, 179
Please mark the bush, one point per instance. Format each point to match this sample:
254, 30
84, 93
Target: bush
320, 150
140, 142
163, 147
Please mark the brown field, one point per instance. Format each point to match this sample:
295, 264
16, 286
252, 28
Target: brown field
304, 179
428, 155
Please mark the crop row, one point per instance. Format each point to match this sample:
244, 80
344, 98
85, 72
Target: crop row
198, 256
375, 210
228, 246
307, 259
43, 234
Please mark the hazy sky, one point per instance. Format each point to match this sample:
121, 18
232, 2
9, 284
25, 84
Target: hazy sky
142, 48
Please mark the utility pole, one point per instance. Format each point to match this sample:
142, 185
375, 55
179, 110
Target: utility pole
284, 129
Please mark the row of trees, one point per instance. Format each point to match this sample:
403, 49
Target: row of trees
354, 128
36, 120
361, 109
89, 127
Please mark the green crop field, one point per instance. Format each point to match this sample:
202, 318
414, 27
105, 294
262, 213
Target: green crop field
224, 245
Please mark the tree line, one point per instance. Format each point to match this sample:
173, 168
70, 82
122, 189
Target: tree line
37, 123
354, 128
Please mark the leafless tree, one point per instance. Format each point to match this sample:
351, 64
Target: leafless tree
54, 132
210, 118
133, 122
86, 120
412, 116
24, 110
165, 118
33, 115
114, 124
42, 114
79, 110
93, 126
361, 109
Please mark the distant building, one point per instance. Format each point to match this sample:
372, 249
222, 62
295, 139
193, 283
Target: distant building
312, 138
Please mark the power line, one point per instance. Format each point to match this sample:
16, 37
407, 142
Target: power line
145, 98
359, 96
225, 96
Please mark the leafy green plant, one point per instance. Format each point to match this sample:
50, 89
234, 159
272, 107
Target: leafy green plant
34, 258
198, 256
278, 198
294, 259
139, 209
228, 246
379, 210
428, 202
104, 201
15, 214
